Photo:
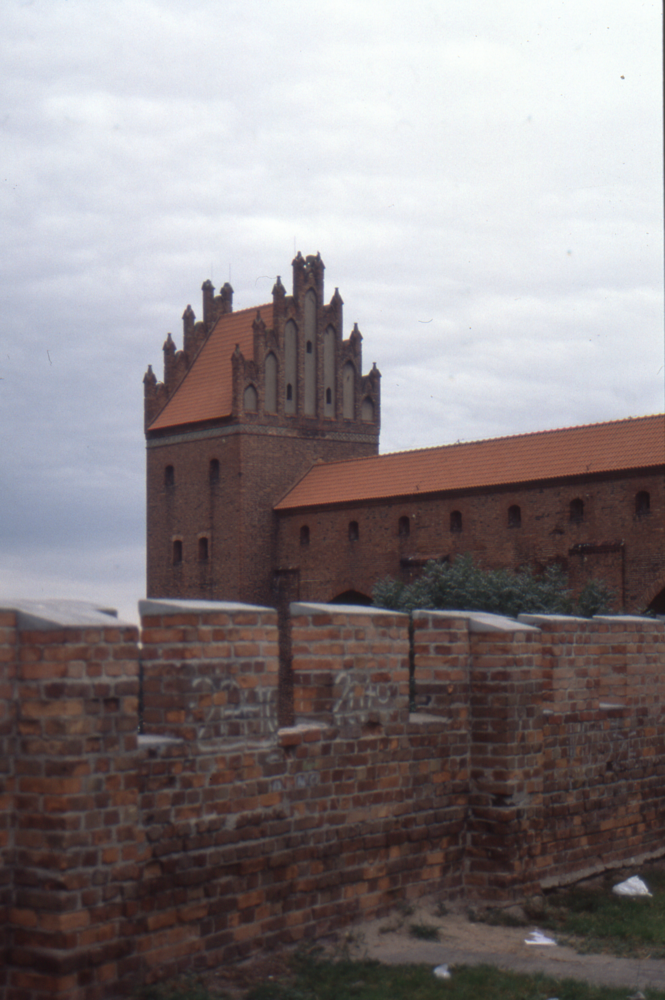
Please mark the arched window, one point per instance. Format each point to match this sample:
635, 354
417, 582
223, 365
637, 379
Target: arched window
514, 517
455, 520
354, 533
213, 470
404, 526
169, 476
304, 534
642, 503
250, 399
348, 391
367, 411
290, 366
177, 552
329, 343
310, 353
271, 384
203, 549
576, 511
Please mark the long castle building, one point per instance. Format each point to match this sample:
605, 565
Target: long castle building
264, 479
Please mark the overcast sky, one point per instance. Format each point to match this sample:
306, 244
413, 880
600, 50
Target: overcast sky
483, 182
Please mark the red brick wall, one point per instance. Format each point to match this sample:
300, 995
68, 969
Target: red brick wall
332, 564
224, 836
76, 793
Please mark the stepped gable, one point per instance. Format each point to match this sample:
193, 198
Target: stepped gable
206, 391
635, 443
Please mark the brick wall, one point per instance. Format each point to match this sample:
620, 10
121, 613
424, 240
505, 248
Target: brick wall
611, 543
535, 753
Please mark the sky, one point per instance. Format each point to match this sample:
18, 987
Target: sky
483, 182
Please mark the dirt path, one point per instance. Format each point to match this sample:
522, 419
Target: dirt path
462, 942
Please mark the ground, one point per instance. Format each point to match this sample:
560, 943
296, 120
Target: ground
461, 941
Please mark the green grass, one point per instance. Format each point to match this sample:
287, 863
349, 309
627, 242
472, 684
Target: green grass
600, 921
316, 980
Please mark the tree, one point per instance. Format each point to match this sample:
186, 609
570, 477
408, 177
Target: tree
464, 586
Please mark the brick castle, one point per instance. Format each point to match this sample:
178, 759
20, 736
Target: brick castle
265, 482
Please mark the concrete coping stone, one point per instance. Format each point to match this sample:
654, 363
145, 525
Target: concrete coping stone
305, 608
168, 606
618, 619
480, 621
550, 618
60, 613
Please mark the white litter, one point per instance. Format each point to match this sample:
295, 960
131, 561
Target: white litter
537, 937
631, 887
442, 972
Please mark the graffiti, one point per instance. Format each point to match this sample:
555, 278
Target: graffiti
239, 711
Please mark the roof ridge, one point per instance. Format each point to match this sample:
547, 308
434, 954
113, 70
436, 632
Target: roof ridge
504, 437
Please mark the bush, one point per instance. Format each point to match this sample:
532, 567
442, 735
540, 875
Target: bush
463, 586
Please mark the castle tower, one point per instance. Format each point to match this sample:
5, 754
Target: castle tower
249, 404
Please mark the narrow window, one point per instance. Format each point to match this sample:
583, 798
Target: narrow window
455, 520
514, 517
169, 476
203, 549
367, 411
177, 552
642, 503
404, 527
270, 396
354, 533
348, 390
576, 511
250, 399
328, 396
329, 367
309, 317
213, 471
304, 535
290, 365
309, 346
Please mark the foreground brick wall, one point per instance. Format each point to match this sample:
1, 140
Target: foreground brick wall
536, 753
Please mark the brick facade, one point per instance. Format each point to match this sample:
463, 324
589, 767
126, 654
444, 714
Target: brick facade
538, 758
611, 542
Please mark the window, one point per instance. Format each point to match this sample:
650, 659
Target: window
270, 397
203, 549
169, 476
213, 471
177, 552
304, 535
290, 365
250, 399
404, 527
309, 346
514, 517
455, 520
354, 533
642, 503
289, 392
576, 511
367, 411
348, 390
328, 396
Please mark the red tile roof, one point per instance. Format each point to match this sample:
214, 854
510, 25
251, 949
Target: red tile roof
205, 393
573, 451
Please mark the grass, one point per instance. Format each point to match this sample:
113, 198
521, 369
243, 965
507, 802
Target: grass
315, 979
595, 920
424, 932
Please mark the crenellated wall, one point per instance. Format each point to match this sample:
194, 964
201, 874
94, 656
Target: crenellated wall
535, 754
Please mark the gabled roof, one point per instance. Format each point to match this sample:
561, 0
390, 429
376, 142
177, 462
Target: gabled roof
638, 442
206, 391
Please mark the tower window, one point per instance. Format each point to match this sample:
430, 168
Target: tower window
203, 549
404, 527
289, 391
642, 503
455, 520
514, 517
328, 396
213, 471
177, 552
576, 511
304, 534
309, 346
354, 533
169, 476
250, 399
